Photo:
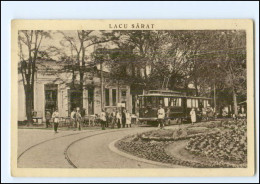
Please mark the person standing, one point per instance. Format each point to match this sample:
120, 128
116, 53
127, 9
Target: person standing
118, 119
83, 114
193, 116
124, 118
107, 119
161, 116
56, 118
128, 119
73, 117
48, 118
113, 118
103, 119
78, 118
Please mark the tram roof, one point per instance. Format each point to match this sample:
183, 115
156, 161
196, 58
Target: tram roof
174, 95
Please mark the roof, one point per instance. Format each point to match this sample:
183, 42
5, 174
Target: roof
170, 93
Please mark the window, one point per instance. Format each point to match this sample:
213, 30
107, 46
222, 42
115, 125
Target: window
160, 100
179, 102
205, 103
192, 103
166, 102
196, 103
106, 97
114, 97
189, 103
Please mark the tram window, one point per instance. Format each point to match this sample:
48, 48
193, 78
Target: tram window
166, 102
171, 102
150, 101
205, 103
160, 100
194, 103
189, 103
180, 102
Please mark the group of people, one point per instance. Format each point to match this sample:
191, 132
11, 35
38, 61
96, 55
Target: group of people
120, 118
116, 118
161, 115
76, 118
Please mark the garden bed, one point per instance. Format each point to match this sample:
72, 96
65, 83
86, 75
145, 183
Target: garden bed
197, 145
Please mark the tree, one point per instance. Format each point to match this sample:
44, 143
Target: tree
29, 51
79, 42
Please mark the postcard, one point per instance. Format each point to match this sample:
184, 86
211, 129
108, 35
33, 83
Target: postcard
132, 98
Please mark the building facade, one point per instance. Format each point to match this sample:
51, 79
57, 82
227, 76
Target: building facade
53, 88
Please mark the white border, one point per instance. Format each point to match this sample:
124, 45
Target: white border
113, 10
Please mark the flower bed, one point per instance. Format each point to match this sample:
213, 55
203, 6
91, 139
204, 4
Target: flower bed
230, 151
230, 145
175, 135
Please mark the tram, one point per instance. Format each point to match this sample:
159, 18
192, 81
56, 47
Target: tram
176, 104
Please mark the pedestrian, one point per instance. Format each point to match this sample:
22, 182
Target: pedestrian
113, 118
103, 119
161, 116
48, 118
128, 119
124, 118
73, 117
168, 118
204, 113
83, 114
56, 118
193, 116
107, 119
78, 118
118, 119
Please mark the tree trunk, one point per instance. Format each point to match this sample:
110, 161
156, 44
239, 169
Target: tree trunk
145, 71
28, 105
235, 101
196, 86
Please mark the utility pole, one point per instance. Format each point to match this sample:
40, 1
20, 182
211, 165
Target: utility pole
215, 101
215, 95
101, 83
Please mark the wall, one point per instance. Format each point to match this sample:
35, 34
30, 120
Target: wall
63, 100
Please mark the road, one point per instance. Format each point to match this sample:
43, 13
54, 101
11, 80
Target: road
81, 149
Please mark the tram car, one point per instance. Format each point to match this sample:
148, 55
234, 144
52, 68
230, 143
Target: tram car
176, 104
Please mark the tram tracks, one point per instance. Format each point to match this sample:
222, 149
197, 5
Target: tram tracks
72, 143
67, 147
42, 142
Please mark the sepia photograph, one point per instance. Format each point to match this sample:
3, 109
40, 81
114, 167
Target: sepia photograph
133, 96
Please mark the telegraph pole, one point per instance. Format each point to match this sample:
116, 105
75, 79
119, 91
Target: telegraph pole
101, 83
215, 95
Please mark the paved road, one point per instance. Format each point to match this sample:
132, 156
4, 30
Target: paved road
86, 149
95, 153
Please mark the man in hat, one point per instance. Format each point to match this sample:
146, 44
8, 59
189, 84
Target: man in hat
78, 118
56, 119
161, 116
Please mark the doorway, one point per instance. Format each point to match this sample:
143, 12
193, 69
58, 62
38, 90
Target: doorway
75, 99
51, 100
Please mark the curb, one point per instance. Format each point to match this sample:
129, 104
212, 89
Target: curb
132, 157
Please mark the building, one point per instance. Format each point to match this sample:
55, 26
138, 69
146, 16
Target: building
54, 88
